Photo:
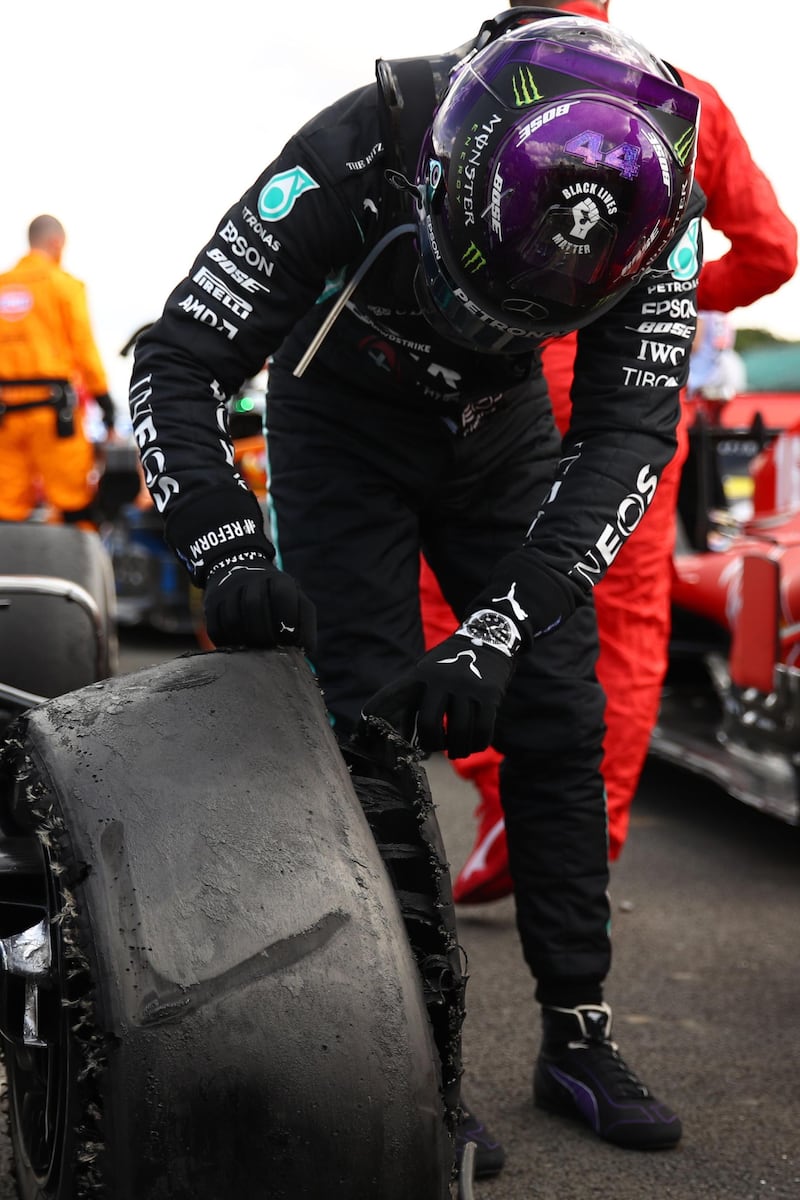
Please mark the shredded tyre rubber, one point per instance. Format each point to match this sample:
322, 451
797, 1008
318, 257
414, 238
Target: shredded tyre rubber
28, 802
393, 791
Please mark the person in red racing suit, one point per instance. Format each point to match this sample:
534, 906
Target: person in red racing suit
404, 308
633, 601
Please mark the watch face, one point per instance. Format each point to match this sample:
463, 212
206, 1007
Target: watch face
493, 628
493, 623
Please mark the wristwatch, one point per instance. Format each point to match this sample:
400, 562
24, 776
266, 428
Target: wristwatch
488, 627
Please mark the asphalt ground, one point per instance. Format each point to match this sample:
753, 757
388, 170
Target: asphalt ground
705, 988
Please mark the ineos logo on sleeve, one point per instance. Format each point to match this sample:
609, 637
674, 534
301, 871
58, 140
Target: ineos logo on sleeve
630, 511
279, 195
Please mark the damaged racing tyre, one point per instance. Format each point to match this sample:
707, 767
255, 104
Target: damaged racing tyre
214, 983
57, 612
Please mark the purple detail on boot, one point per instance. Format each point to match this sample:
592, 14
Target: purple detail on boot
583, 1096
629, 1113
473, 1130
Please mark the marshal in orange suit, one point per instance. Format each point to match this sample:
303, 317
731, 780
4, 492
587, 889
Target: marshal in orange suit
46, 334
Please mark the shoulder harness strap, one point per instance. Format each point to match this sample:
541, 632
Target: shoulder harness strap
408, 91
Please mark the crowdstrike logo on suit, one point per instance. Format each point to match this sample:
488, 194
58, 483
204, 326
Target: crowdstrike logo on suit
279, 196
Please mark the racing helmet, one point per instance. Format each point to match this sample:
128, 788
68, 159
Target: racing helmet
556, 169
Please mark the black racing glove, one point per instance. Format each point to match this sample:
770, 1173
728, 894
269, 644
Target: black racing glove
450, 699
248, 601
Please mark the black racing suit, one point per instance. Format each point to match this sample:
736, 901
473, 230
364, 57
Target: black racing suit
395, 441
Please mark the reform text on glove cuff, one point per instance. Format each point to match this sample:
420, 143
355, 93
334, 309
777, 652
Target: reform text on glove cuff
216, 525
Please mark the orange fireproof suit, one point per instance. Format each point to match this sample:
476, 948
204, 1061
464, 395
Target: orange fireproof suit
45, 333
633, 600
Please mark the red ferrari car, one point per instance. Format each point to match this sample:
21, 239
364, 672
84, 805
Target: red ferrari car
731, 704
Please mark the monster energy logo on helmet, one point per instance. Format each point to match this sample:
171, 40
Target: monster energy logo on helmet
472, 259
683, 146
525, 89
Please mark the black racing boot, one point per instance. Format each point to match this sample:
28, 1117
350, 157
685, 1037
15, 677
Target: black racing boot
580, 1073
489, 1154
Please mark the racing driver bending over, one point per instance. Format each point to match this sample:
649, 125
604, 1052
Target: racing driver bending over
403, 263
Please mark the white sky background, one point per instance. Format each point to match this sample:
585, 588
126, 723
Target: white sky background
139, 124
